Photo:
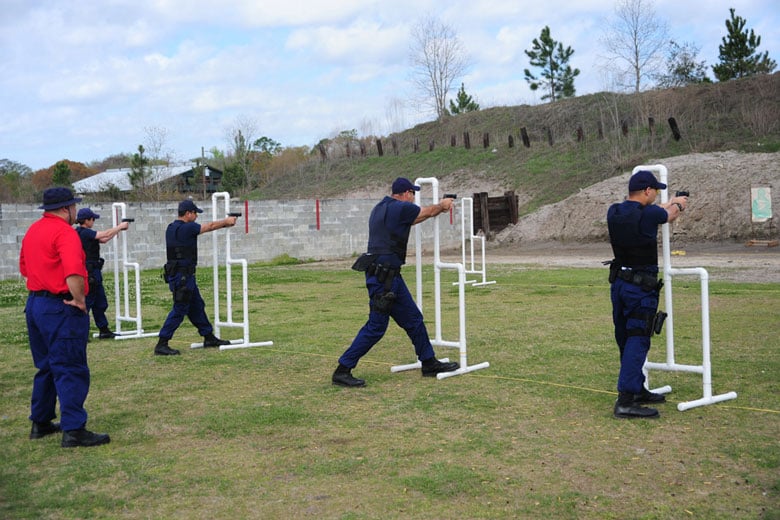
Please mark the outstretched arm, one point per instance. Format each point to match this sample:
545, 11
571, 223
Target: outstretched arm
108, 234
433, 210
218, 224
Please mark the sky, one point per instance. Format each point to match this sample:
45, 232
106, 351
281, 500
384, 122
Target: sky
86, 79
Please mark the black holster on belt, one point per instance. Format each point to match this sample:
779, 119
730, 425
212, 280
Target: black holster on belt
169, 269
658, 321
182, 294
363, 262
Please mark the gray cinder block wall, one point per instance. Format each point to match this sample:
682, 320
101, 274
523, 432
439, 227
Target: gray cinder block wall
266, 230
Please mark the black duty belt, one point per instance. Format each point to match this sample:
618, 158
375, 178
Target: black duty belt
49, 294
647, 281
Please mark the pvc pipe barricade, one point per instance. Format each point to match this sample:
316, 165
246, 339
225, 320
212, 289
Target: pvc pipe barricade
705, 369
467, 228
437, 340
122, 300
229, 263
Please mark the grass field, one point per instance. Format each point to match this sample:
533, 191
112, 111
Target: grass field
262, 433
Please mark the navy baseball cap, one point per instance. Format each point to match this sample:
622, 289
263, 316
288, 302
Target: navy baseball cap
55, 198
644, 179
86, 214
402, 185
188, 205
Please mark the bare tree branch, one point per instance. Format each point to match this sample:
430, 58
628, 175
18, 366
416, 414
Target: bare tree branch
438, 59
637, 39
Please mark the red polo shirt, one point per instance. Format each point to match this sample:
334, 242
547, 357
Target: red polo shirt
51, 251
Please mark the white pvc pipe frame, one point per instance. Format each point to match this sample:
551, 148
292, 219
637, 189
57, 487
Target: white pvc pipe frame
122, 306
438, 266
705, 368
229, 262
471, 269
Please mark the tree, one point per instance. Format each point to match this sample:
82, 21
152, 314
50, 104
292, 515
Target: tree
637, 39
241, 136
465, 102
682, 68
266, 145
438, 58
140, 173
557, 76
738, 56
156, 145
15, 180
7, 166
61, 175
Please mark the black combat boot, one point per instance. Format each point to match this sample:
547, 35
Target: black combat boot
42, 429
83, 438
648, 397
431, 367
343, 377
210, 340
625, 408
162, 349
105, 333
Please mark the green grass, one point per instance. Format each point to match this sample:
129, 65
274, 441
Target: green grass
261, 432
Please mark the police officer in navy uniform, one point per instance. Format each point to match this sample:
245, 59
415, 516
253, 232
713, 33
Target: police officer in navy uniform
181, 242
633, 233
90, 241
53, 263
388, 234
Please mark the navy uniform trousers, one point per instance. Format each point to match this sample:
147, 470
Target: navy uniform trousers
58, 342
96, 298
193, 308
404, 312
630, 299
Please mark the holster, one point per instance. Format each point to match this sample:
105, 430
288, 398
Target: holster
182, 293
383, 302
658, 321
169, 269
363, 262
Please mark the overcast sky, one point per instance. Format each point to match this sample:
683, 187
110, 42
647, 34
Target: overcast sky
83, 79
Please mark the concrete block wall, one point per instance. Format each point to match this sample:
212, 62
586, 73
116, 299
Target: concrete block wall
273, 228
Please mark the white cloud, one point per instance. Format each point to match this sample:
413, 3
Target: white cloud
80, 80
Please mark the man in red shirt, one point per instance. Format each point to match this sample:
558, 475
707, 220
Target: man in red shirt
53, 262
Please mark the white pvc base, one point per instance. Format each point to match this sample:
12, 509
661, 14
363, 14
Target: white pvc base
130, 335
705, 400
237, 343
462, 370
412, 366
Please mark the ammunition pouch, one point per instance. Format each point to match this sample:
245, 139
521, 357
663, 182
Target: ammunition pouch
382, 303
92, 281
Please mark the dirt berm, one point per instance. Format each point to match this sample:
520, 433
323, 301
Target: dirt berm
712, 233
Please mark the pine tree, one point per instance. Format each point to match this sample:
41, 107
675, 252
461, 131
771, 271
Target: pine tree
682, 67
61, 174
140, 172
465, 102
738, 56
557, 76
